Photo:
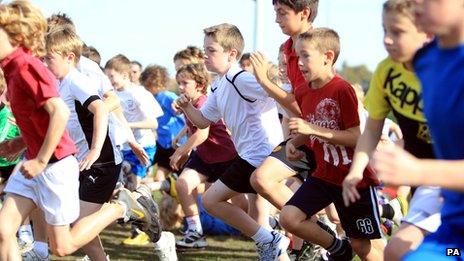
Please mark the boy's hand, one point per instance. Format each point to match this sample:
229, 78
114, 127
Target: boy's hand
175, 143
32, 168
182, 101
177, 110
350, 193
260, 66
293, 154
395, 166
89, 159
299, 126
178, 159
139, 153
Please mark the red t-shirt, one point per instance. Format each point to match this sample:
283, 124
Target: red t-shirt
29, 85
295, 76
218, 147
334, 106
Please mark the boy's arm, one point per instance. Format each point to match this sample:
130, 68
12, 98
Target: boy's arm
346, 137
364, 148
100, 129
193, 141
150, 109
175, 141
111, 100
59, 115
261, 66
194, 115
149, 123
396, 166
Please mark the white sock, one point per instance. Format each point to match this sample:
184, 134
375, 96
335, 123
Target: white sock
194, 223
41, 248
262, 236
25, 233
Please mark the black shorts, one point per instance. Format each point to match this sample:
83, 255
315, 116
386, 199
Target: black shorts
97, 184
360, 220
162, 157
303, 167
211, 171
237, 176
5, 172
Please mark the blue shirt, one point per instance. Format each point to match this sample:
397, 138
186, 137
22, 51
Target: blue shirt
169, 124
441, 72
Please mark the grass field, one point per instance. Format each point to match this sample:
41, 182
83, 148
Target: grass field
219, 248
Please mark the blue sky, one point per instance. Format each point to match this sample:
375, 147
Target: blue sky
152, 31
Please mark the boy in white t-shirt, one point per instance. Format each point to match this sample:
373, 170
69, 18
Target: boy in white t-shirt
140, 109
251, 117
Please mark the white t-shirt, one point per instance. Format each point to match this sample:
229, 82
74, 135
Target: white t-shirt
138, 105
78, 91
91, 69
254, 126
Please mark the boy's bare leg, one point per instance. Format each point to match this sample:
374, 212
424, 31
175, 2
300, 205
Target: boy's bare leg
407, 238
366, 249
188, 181
94, 249
215, 202
15, 209
161, 174
259, 210
269, 181
65, 240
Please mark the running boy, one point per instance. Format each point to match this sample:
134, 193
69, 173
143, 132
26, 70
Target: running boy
41, 116
331, 124
214, 153
387, 93
251, 116
438, 66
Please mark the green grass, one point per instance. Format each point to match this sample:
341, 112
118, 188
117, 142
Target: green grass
219, 248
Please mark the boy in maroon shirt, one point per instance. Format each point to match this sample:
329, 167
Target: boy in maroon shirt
48, 177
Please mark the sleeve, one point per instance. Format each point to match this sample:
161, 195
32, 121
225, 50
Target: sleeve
248, 86
210, 110
148, 104
39, 83
84, 90
348, 107
376, 102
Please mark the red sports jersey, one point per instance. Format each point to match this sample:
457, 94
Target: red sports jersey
334, 106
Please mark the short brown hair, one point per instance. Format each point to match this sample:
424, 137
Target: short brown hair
191, 53
60, 20
228, 36
196, 72
91, 53
63, 41
119, 63
404, 7
154, 76
25, 25
299, 5
324, 39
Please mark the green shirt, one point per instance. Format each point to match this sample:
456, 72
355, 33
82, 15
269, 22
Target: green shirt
8, 130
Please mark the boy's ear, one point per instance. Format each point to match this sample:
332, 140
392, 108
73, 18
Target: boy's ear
71, 57
329, 57
233, 53
305, 13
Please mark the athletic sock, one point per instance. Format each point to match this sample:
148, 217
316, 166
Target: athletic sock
336, 246
25, 233
262, 236
194, 223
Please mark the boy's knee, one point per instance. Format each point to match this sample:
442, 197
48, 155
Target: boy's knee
258, 181
287, 221
208, 202
182, 185
361, 247
396, 249
62, 249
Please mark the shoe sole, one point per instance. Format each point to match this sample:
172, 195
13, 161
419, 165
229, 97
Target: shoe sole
153, 229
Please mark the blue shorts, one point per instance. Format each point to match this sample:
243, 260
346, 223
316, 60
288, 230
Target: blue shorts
434, 247
137, 167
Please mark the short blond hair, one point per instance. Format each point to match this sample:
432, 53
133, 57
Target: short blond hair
403, 7
323, 39
25, 26
192, 54
119, 63
64, 41
228, 36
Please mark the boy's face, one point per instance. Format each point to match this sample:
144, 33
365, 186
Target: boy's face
402, 38
283, 67
246, 65
135, 73
118, 80
312, 63
439, 16
217, 60
59, 64
188, 86
290, 22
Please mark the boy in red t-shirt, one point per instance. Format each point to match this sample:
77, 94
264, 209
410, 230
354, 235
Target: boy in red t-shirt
331, 125
214, 153
49, 176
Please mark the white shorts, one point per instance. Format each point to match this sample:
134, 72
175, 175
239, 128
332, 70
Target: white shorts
424, 210
55, 191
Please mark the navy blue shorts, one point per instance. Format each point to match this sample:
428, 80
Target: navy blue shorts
212, 171
360, 220
237, 176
